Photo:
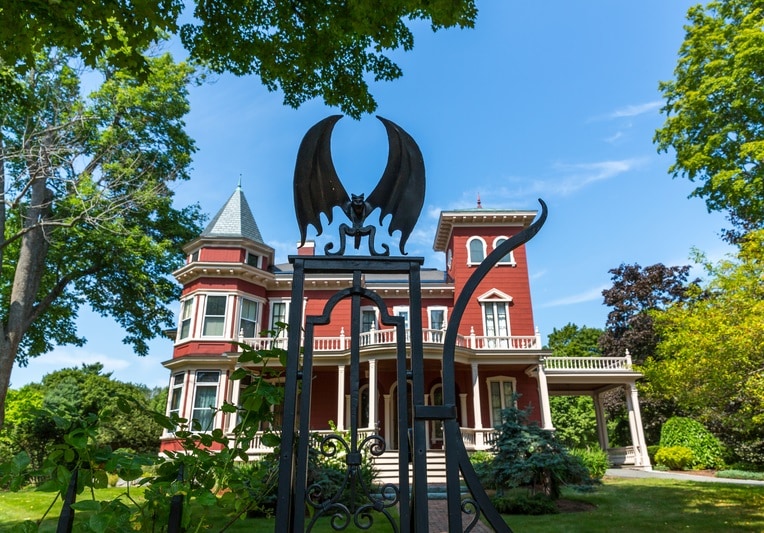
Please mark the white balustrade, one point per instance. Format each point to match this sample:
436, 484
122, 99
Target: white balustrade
587, 364
389, 337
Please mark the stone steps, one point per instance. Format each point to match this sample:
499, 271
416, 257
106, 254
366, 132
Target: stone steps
386, 466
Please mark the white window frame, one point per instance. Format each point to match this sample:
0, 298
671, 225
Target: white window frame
217, 401
509, 259
258, 310
492, 298
224, 315
373, 309
500, 380
470, 260
179, 387
271, 316
432, 308
187, 304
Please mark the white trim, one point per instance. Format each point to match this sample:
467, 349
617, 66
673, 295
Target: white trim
494, 295
500, 380
470, 261
258, 314
227, 319
218, 399
279, 300
437, 308
376, 316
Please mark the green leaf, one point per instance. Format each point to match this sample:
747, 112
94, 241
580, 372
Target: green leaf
271, 440
87, 505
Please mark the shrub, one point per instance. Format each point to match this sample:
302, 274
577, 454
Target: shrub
651, 451
482, 462
595, 461
674, 457
706, 450
532, 457
536, 504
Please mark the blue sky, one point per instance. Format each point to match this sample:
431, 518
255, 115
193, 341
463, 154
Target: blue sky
557, 100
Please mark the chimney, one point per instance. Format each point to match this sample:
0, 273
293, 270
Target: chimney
309, 248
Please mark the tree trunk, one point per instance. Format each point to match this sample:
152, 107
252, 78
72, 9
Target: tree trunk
26, 283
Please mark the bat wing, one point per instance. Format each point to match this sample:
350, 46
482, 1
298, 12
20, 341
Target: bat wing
400, 192
317, 188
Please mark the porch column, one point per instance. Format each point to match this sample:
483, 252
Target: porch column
476, 397
546, 411
372, 393
348, 422
599, 412
235, 391
388, 422
641, 459
427, 424
463, 405
341, 397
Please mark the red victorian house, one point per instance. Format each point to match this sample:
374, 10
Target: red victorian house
232, 290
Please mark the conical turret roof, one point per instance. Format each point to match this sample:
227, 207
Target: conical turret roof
235, 220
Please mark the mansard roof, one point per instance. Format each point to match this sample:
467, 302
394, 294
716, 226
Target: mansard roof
234, 220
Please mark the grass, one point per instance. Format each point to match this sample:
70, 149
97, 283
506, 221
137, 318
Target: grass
623, 505
638, 505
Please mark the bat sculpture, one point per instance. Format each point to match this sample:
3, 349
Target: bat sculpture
317, 188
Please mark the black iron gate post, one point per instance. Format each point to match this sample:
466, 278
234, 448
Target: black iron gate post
295, 494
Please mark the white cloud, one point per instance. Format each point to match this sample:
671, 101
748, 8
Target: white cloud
582, 297
580, 175
635, 109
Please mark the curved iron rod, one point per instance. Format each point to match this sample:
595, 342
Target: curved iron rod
460, 461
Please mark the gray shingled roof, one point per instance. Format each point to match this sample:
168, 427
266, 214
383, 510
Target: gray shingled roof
234, 220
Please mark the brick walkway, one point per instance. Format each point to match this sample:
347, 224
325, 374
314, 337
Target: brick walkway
438, 512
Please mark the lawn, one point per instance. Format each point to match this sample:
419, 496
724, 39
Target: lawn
622, 505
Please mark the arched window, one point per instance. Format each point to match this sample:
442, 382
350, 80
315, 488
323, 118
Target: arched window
508, 259
475, 250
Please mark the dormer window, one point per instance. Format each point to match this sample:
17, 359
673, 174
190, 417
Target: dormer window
508, 259
476, 250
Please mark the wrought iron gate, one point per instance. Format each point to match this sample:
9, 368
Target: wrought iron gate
400, 193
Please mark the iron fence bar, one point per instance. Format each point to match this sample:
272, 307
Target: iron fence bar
175, 520
419, 455
285, 505
303, 435
66, 518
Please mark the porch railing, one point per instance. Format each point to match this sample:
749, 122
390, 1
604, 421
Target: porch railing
381, 337
474, 439
587, 364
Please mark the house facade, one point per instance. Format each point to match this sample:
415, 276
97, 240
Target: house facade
233, 291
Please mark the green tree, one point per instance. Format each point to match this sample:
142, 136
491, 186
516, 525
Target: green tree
710, 359
308, 49
74, 394
714, 113
87, 213
574, 418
